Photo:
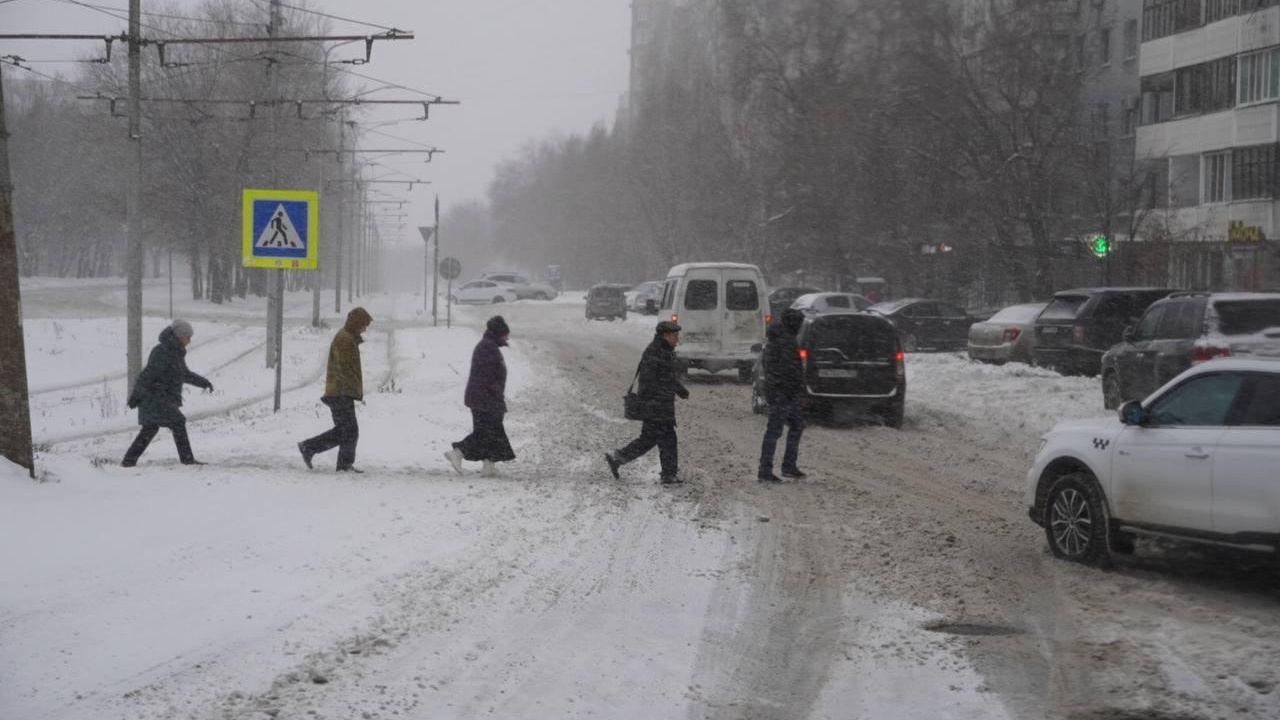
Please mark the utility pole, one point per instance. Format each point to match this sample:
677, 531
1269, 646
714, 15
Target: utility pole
275, 180
435, 272
133, 199
337, 256
15, 403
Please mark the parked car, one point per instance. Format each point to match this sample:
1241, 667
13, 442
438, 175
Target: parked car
1080, 325
818, 303
1195, 461
781, 298
1007, 336
853, 364
1185, 329
645, 297
722, 308
927, 324
482, 292
524, 288
606, 302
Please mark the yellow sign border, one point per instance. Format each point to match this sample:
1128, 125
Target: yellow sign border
312, 198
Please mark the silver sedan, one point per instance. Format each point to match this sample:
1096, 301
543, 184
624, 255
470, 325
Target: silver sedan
1007, 336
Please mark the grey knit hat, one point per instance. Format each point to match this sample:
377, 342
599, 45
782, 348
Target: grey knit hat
182, 329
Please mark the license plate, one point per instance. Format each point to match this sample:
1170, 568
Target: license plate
1049, 330
838, 373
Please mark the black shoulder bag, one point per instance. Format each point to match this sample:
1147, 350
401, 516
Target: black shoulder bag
632, 405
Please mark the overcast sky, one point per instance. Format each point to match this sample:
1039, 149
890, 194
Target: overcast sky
522, 69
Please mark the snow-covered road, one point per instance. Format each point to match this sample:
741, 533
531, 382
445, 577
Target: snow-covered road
253, 588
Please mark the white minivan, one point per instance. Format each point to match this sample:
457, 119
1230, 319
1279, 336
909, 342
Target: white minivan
723, 309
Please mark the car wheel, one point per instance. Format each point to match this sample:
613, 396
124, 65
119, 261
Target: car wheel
909, 343
892, 414
758, 405
540, 296
1111, 391
1076, 520
744, 373
499, 299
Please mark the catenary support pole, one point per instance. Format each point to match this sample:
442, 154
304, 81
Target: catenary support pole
15, 403
435, 270
133, 200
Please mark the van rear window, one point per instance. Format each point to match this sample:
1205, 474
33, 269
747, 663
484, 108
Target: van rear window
1247, 317
606, 293
702, 295
1064, 307
856, 338
741, 295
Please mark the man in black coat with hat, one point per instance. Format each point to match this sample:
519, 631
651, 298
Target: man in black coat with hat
783, 389
659, 381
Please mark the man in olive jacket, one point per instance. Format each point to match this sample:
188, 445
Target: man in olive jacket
157, 394
343, 386
659, 380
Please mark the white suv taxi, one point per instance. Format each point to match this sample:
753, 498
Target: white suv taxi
1198, 460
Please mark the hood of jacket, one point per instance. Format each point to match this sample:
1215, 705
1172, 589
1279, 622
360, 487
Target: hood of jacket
777, 332
357, 321
497, 339
169, 339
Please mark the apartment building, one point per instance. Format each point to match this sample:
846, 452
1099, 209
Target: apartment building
1210, 120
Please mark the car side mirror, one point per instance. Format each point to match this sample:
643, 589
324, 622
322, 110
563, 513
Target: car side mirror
757, 348
1128, 333
1132, 413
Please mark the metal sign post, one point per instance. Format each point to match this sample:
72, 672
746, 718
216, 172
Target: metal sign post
426, 233
281, 230
450, 269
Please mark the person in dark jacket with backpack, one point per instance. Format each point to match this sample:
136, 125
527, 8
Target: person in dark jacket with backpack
157, 394
659, 384
343, 387
486, 397
783, 388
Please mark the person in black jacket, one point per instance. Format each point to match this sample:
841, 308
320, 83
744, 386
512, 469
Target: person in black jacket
486, 396
659, 382
157, 394
783, 386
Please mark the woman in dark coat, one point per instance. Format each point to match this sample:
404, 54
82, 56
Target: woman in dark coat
486, 396
157, 394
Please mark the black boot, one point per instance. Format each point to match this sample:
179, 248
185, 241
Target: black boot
613, 466
794, 472
767, 476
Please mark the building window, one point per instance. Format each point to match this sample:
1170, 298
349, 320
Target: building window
1253, 172
1129, 117
1102, 120
1215, 10
1259, 76
1157, 98
1130, 39
1216, 171
1207, 87
1104, 46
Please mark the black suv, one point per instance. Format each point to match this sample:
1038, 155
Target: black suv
927, 324
853, 363
1185, 329
1078, 326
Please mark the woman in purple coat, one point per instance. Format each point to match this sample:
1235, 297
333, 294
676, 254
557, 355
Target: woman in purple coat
486, 396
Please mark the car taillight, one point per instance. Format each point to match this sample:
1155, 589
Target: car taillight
1077, 335
1011, 334
675, 318
804, 355
1205, 353
900, 365
768, 319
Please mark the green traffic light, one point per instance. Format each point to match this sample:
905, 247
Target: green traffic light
1100, 245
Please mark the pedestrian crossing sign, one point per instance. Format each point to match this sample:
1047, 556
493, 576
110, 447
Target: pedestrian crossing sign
280, 229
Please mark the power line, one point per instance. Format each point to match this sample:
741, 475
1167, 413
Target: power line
211, 21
